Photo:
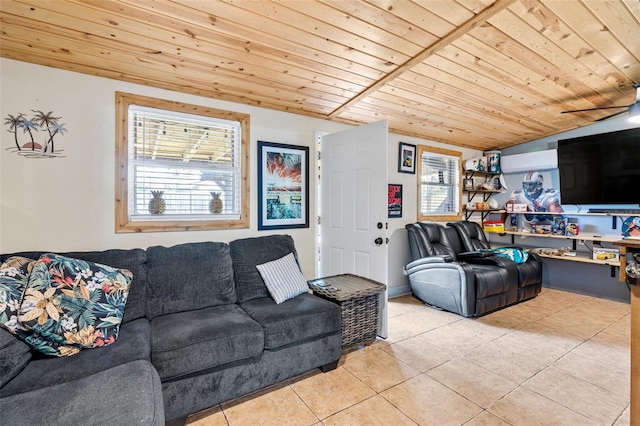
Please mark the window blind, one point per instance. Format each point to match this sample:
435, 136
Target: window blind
439, 184
187, 157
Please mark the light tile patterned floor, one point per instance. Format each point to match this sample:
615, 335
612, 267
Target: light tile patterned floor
559, 359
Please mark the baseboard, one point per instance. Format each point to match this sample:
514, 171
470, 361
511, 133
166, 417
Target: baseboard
399, 291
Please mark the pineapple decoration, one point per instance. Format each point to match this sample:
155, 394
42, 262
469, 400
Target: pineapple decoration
157, 205
215, 206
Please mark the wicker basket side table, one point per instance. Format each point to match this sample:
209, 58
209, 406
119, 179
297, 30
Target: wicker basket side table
358, 300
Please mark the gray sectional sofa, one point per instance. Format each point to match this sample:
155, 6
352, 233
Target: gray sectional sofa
199, 328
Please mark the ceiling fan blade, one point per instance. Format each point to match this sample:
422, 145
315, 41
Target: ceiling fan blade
594, 109
611, 115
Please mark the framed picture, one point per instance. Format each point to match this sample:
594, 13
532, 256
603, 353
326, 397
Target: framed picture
394, 201
468, 184
407, 158
283, 186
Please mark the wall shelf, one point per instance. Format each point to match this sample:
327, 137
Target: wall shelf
583, 236
477, 190
579, 257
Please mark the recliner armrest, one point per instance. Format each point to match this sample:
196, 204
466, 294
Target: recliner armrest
431, 260
474, 254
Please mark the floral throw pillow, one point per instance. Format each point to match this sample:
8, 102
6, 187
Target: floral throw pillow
14, 274
72, 302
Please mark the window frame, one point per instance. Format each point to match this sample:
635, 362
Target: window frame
441, 151
122, 222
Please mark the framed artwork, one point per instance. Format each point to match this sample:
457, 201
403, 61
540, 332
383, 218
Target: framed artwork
468, 184
283, 186
394, 201
407, 158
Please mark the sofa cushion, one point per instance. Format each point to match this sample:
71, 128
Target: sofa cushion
14, 276
298, 319
133, 343
74, 302
249, 252
175, 285
14, 356
127, 394
283, 278
133, 260
192, 341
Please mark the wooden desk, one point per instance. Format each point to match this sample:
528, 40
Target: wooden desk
630, 246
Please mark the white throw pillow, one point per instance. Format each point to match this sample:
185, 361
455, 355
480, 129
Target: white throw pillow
283, 278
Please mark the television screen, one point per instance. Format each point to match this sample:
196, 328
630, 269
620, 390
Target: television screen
600, 169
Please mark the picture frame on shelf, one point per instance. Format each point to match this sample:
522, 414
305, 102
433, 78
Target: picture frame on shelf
467, 184
407, 158
283, 186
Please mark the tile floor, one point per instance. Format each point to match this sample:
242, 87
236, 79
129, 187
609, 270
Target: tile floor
559, 359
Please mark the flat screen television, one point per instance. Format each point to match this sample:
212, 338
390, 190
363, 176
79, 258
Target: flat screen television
600, 169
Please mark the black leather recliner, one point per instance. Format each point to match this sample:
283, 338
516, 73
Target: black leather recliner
442, 275
529, 273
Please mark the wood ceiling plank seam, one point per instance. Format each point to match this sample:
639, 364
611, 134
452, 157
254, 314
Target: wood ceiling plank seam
493, 36
511, 87
188, 52
73, 44
461, 110
590, 79
384, 19
482, 122
555, 30
473, 105
250, 49
343, 15
437, 134
254, 20
634, 8
232, 30
439, 79
417, 15
620, 22
148, 69
475, 5
312, 23
449, 72
565, 66
551, 105
429, 51
448, 10
550, 92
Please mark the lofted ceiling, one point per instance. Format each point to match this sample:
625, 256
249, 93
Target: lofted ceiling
482, 74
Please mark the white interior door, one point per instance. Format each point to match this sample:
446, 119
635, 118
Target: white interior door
353, 212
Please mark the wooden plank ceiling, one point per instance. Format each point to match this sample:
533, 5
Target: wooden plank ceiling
482, 74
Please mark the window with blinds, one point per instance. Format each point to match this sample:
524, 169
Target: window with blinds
190, 159
439, 186
181, 167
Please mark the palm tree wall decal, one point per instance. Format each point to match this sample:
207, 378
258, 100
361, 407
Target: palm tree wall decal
14, 123
39, 121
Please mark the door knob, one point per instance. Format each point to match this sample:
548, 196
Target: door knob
378, 241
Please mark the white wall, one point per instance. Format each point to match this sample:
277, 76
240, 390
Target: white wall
67, 203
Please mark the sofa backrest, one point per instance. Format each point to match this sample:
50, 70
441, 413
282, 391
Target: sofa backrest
471, 234
249, 252
133, 260
189, 276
